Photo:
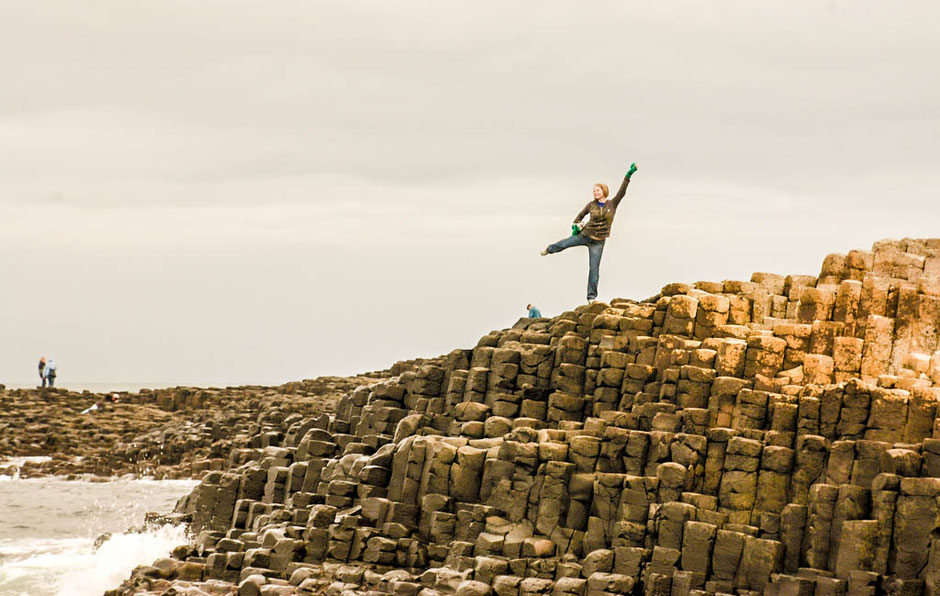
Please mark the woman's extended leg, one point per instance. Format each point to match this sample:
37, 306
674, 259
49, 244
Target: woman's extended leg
595, 251
567, 243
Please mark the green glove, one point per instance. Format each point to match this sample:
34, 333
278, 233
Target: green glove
575, 230
632, 170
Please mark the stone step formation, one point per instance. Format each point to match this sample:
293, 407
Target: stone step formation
772, 436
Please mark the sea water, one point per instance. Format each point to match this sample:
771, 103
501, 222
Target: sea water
48, 529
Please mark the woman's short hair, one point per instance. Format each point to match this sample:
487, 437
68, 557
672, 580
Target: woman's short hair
603, 188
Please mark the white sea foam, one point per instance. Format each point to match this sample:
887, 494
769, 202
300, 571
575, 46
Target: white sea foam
92, 573
73, 567
49, 527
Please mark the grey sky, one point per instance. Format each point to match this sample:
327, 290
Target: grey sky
230, 192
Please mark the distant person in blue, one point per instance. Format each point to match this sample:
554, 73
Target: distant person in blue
534, 313
49, 373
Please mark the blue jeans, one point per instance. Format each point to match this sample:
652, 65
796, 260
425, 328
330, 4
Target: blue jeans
595, 250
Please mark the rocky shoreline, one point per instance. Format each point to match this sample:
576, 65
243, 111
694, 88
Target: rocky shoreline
172, 433
772, 436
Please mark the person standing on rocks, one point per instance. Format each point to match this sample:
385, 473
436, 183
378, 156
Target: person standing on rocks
592, 234
42, 366
534, 312
49, 373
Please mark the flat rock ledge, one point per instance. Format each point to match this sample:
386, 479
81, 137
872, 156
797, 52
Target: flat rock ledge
772, 436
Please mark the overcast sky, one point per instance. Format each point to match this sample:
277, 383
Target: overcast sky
252, 192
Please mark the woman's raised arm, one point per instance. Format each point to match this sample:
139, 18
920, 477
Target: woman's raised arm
623, 186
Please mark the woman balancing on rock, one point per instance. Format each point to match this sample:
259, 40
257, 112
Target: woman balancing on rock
592, 234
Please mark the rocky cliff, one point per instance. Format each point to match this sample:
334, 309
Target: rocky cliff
771, 436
